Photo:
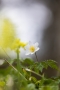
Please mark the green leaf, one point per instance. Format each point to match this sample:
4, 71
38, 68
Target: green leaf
30, 87
40, 67
52, 64
5, 71
37, 84
57, 80
45, 64
49, 88
28, 61
48, 81
33, 79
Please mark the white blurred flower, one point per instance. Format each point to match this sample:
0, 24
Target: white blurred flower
31, 48
2, 61
9, 81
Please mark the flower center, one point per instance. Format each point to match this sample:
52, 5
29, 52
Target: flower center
32, 48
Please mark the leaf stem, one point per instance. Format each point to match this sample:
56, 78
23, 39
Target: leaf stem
19, 69
6, 53
18, 63
33, 72
36, 56
16, 70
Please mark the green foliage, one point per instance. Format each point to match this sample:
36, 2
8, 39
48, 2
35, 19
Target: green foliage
30, 86
5, 71
49, 88
32, 68
28, 61
39, 66
27, 79
46, 64
2, 83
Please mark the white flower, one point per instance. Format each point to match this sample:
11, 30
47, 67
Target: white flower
9, 81
2, 61
31, 48
27, 69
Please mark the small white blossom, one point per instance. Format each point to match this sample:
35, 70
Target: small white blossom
31, 48
27, 69
2, 61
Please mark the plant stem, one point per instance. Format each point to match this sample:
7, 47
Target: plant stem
6, 53
16, 70
19, 69
18, 62
36, 56
33, 72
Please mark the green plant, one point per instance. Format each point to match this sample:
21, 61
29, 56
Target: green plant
19, 74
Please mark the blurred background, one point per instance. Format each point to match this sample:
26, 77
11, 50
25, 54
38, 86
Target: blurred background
36, 21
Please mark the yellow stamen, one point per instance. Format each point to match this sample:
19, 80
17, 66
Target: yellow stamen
32, 48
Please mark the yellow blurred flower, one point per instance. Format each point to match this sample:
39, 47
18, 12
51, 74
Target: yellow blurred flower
22, 44
17, 44
7, 34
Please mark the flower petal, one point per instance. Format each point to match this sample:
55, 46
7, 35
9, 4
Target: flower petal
27, 53
36, 44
